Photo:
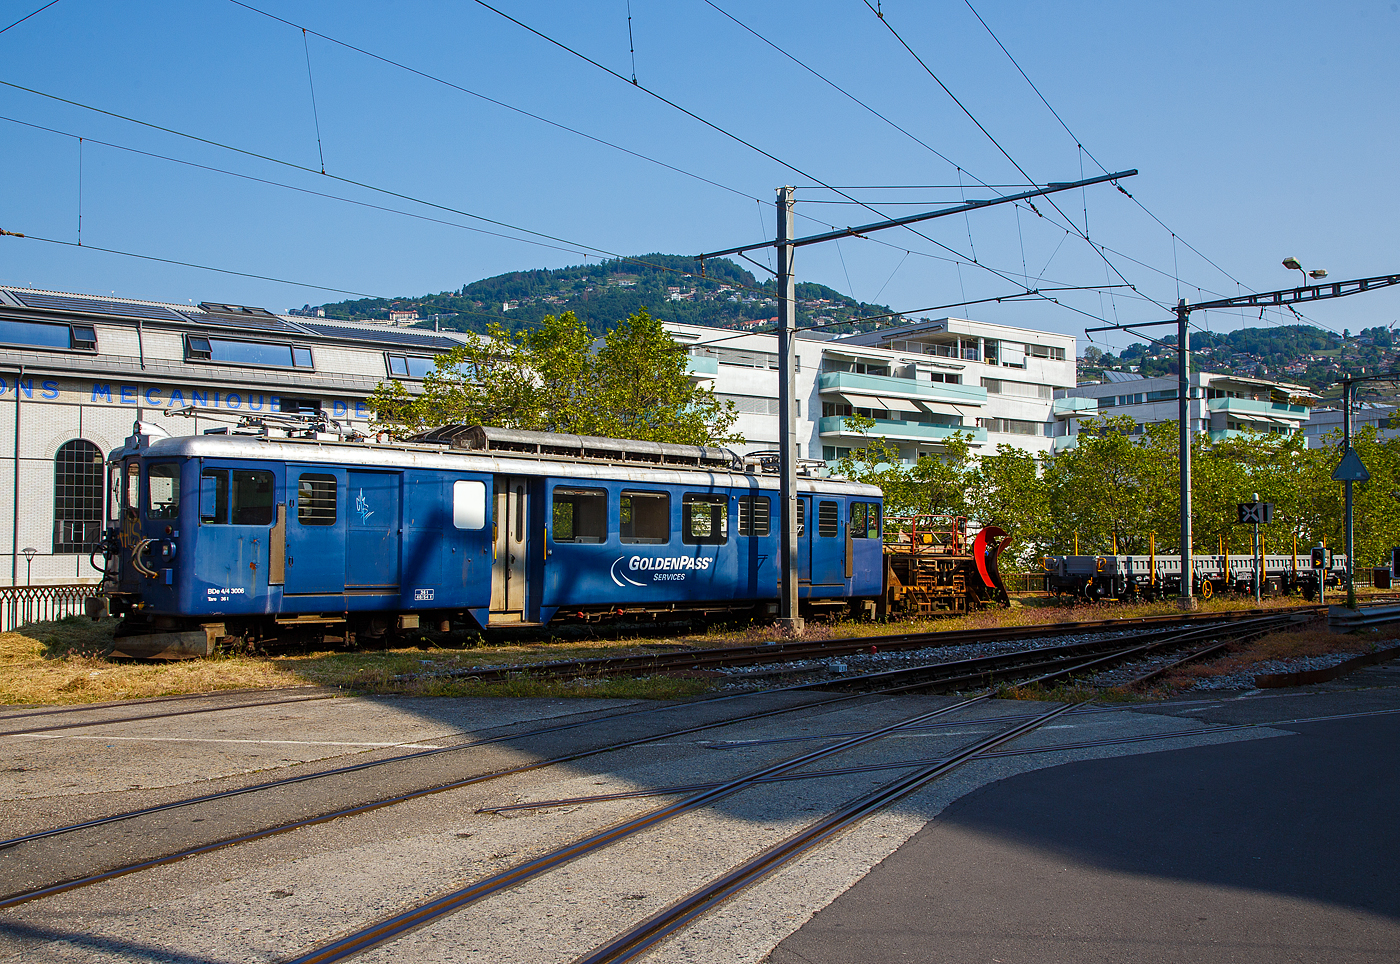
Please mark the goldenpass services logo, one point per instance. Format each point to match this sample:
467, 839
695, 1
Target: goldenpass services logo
662, 568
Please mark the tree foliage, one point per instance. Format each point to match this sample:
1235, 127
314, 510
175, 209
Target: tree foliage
1117, 490
555, 378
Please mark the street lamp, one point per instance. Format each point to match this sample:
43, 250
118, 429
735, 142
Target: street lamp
29, 555
1292, 264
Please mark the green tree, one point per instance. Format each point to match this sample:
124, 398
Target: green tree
551, 379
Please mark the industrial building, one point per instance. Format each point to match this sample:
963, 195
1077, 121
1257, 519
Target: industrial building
79, 370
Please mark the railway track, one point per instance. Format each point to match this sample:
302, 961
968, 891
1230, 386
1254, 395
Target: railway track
1043, 665
312, 694
787, 651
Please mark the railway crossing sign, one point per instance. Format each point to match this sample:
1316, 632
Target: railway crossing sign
1350, 469
1255, 513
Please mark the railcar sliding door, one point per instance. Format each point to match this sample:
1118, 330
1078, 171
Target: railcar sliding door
315, 530
372, 543
512, 526
826, 541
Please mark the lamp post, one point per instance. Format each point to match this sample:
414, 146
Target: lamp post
29, 570
1316, 274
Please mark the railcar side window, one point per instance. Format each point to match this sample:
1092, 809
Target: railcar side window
704, 519
754, 513
241, 497
468, 504
645, 517
316, 499
827, 520
251, 504
213, 497
865, 520
580, 515
163, 489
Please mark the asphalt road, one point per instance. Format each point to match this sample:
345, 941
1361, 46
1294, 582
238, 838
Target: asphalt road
1268, 850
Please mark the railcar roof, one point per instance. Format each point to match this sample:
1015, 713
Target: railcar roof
360, 454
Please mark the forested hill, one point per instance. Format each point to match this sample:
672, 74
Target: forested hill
668, 286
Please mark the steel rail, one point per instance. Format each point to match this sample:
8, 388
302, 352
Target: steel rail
667, 921
370, 764
907, 764
181, 697
671, 919
5, 901
786, 651
439, 907
1065, 665
167, 714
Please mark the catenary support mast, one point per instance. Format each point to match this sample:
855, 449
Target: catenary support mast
787, 414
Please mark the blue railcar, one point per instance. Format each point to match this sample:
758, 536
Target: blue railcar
493, 528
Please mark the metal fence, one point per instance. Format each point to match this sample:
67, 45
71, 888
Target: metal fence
32, 604
1024, 581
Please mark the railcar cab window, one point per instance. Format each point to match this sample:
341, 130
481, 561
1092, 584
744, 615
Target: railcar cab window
865, 520
163, 491
316, 499
828, 521
262, 354
240, 497
580, 515
753, 515
704, 519
645, 517
131, 498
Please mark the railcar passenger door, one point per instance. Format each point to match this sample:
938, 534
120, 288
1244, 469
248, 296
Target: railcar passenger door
373, 531
315, 526
512, 523
825, 540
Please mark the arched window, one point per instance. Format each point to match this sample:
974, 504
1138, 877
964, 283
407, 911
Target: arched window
77, 497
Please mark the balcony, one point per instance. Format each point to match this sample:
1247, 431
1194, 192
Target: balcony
1251, 409
898, 430
885, 386
701, 367
1069, 407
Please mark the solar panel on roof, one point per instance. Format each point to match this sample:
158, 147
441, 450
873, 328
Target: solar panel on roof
258, 322
390, 335
92, 306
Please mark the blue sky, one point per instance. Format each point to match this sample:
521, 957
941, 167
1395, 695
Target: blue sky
1260, 130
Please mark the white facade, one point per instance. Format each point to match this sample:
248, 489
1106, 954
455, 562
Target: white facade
76, 371
921, 383
1324, 422
1223, 405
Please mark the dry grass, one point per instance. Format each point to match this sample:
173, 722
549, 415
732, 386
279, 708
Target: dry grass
65, 661
1313, 640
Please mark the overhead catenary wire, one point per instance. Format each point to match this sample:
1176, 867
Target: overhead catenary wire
28, 15
715, 127
1079, 144
983, 129
191, 264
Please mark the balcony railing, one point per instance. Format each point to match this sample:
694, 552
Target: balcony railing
886, 385
1246, 407
899, 430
